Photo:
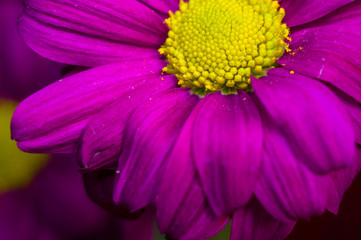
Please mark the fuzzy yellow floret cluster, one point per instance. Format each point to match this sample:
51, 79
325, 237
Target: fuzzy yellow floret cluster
218, 44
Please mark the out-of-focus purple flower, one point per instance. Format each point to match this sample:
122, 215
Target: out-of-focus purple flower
22, 71
55, 207
286, 150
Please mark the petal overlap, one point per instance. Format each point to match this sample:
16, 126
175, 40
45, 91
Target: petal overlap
288, 190
184, 212
56, 115
227, 145
91, 33
102, 137
331, 53
303, 11
340, 180
149, 137
254, 223
163, 6
353, 108
310, 117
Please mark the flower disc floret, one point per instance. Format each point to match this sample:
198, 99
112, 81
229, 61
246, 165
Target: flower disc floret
218, 44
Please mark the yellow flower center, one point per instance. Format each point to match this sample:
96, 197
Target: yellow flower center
218, 44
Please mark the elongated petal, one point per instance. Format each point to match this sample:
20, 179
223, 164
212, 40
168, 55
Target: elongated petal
163, 6
303, 11
349, 14
287, 189
103, 136
150, 134
51, 120
353, 108
312, 119
227, 146
332, 55
254, 223
183, 211
195, 219
340, 180
91, 33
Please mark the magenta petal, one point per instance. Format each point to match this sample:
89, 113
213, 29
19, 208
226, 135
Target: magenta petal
312, 119
332, 53
349, 14
149, 137
195, 219
91, 33
103, 135
254, 223
182, 208
353, 108
287, 189
303, 11
52, 119
164, 6
227, 144
339, 182
99, 187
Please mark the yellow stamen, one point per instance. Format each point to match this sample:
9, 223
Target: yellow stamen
218, 44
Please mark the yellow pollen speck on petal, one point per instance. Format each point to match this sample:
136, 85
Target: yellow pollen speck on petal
292, 72
217, 45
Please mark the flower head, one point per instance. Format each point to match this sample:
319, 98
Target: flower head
274, 139
218, 45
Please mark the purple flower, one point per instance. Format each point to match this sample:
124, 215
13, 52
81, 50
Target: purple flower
55, 207
280, 143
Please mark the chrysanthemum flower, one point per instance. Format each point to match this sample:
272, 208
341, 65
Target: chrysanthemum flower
250, 112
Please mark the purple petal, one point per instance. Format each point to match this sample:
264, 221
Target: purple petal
303, 11
150, 134
227, 144
91, 33
103, 135
195, 219
99, 187
339, 182
288, 190
312, 119
51, 120
332, 54
349, 14
163, 6
182, 208
254, 223
353, 108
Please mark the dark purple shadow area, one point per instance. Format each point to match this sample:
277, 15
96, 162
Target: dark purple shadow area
347, 225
